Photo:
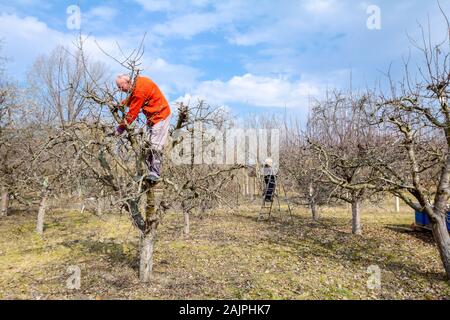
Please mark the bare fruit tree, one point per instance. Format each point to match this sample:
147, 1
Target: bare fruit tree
416, 112
7, 100
117, 164
344, 144
57, 80
302, 166
15, 148
196, 178
53, 94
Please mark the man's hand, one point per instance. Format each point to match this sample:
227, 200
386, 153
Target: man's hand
119, 131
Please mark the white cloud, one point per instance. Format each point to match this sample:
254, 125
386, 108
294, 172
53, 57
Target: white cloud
172, 5
171, 78
188, 25
197, 52
105, 13
99, 20
256, 91
320, 6
35, 4
27, 38
155, 5
314, 37
190, 18
23, 43
297, 22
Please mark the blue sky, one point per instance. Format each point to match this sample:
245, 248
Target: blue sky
253, 56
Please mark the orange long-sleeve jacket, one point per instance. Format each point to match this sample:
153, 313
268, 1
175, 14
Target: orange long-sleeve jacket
146, 96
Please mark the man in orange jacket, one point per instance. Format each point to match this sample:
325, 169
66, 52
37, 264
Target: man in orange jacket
145, 95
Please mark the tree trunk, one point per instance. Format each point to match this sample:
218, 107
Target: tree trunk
41, 214
238, 192
146, 263
133, 210
5, 203
247, 185
186, 222
442, 238
100, 203
148, 238
356, 217
314, 211
99, 207
312, 203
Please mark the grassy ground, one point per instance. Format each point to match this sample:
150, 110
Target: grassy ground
225, 257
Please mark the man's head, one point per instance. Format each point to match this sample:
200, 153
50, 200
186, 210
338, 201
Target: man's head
268, 162
123, 82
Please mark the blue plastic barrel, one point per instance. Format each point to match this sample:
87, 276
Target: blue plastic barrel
423, 220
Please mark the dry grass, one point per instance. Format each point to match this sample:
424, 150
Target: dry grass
226, 257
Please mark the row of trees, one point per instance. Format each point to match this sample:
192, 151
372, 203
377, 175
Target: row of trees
361, 146
64, 146
56, 140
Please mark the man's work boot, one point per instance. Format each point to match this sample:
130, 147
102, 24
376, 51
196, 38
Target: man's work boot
154, 165
151, 179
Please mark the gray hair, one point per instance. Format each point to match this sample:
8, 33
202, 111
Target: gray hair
123, 76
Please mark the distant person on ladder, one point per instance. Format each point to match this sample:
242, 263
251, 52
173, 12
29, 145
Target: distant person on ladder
144, 94
269, 180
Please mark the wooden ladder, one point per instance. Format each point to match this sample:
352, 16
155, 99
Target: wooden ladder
267, 204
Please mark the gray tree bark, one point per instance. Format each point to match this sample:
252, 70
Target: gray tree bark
438, 215
356, 217
5, 203
186, 223
442, 239
41, 213
314, 211
100, 203
312, 203
148, 238
146, 262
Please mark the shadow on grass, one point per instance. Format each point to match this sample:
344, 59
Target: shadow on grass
362, 250
22, 212
114, 251
422, 234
